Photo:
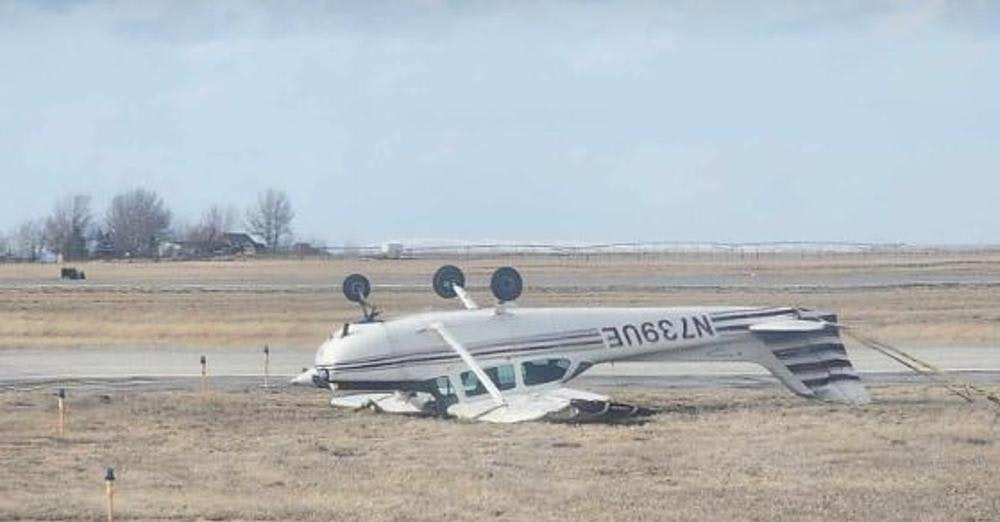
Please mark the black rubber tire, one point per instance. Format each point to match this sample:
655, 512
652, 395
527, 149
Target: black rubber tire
357, 288
445, 278
506, 284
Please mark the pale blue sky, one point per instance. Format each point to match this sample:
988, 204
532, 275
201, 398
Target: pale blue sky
592, 121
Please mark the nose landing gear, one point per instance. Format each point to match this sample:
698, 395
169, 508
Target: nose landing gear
356, 289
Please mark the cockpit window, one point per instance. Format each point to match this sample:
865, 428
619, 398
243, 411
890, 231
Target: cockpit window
541, 371
471, 385
502, 376
443, 385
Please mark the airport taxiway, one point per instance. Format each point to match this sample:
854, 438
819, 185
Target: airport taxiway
176, 367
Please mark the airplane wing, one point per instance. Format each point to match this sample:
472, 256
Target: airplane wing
557, 403
387, 402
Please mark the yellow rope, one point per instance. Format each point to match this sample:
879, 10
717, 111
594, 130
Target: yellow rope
963, 389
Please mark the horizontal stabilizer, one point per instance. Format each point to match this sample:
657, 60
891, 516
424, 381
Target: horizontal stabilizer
808, 357
812, 363
791, 325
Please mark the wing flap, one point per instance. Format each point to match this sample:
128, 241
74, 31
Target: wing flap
552, 403
396, 402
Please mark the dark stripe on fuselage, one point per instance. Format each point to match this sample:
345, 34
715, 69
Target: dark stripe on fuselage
544, 338
478, 350
424, 358
733, 328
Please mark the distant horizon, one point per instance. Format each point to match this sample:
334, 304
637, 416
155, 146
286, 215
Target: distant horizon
98, 214
488, 242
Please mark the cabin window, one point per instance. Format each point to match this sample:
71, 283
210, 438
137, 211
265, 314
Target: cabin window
502, 376
541, 371
471, 385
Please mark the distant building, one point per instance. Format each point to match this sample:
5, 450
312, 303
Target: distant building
392, 250
243, 243
306, 249
103, 247
47, 256
230, 244
169, 249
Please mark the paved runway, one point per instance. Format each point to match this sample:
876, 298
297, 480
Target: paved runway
179, 367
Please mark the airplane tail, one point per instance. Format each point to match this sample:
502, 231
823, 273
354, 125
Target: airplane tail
810, 361
807, 356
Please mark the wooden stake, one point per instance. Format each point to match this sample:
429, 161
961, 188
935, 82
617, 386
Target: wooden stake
204, 375
267, 366
62, 411
109, 481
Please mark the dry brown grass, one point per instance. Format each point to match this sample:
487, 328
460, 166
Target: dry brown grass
916, 454
297, 302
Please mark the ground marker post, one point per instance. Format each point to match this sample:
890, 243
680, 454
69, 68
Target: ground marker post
61, 395
267, 366
109, 481
204, 375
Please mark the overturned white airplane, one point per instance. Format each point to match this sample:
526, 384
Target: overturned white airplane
511, 364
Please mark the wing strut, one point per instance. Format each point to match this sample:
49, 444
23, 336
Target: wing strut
467, 300
446, 336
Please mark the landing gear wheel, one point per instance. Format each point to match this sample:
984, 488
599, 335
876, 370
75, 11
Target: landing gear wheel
357, 288
446, 279
506, 284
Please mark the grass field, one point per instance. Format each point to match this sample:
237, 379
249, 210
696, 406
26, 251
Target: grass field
915, 454
945, 299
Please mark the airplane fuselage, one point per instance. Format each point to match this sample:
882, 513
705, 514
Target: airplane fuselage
566, 340
508, 364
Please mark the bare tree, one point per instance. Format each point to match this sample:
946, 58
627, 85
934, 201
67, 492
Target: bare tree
67, 228
29, 239
6, 245
215, 222
271, 218
137, 221
182, 230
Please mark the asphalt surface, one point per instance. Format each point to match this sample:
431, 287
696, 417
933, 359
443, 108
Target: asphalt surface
160, 368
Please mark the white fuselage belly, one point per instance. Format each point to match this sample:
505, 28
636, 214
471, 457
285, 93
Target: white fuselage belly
403, 350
